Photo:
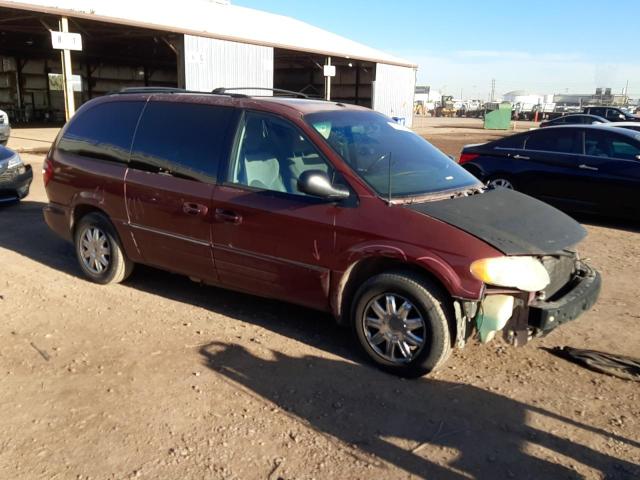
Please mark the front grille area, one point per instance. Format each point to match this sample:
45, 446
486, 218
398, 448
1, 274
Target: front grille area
560, 269
8, 175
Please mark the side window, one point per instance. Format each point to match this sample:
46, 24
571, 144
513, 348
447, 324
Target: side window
182, 139
271, 154
624, 149
103, 131
511, 142
565, 141
613, 114
601, 144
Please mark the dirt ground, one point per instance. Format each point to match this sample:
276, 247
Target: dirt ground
163, 378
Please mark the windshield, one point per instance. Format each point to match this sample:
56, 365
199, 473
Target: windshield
374, 145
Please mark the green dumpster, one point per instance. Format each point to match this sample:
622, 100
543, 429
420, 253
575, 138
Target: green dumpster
500, 118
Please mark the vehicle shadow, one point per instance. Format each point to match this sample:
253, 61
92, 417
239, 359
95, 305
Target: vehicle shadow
608, 222
409, 424
23, 230
412, 424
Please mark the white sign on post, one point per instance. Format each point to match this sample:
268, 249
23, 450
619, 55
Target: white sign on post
66, 41
329, 70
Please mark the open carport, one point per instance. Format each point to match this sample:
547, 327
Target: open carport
200, 46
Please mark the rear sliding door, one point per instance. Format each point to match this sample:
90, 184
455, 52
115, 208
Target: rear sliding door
169, 185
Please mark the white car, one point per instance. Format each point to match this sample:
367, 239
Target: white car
5, 128
629, 125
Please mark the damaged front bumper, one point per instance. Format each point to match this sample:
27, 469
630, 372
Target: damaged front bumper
578, 296
521, 316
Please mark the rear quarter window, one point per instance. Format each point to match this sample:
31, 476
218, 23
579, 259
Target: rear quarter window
186, 139
513, 141
104, 131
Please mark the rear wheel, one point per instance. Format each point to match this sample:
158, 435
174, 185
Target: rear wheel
99, 251
402, 323
501, 181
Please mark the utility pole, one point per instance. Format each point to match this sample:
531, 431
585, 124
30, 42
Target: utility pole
493, 89
626, 93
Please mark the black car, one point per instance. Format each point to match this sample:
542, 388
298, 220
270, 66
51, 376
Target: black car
613, 114
587, 168
577, 119
15, 176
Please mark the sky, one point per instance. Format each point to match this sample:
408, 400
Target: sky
461, 45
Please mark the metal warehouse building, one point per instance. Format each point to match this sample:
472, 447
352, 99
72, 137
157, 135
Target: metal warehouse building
194, 44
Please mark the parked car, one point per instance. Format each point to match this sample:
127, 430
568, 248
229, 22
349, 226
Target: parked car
588, 168
613, 114
629, 125
5, 128
326, 205
576, 119
15, 176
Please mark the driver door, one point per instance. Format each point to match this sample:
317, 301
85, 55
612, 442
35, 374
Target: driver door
269, 238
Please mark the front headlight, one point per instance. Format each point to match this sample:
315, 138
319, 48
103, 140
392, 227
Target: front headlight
14, 161
524, 273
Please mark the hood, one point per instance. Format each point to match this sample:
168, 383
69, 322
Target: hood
509, 221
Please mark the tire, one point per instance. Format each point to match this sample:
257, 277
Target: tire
499, 180
426, 300
94, 233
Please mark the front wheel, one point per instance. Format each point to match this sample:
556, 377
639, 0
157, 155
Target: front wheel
98, 250
402, 323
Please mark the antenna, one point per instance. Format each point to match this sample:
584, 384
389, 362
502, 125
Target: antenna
389, 184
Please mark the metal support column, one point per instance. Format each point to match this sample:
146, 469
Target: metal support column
65, 55
327, 82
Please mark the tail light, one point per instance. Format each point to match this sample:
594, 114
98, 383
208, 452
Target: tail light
47, 171
467, 157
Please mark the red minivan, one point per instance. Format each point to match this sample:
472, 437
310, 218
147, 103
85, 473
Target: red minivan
330, 206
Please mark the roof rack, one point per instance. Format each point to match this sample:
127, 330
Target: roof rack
151, 90
289, 93
216, 91
142, 90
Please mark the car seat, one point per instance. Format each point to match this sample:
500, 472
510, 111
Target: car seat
260, 167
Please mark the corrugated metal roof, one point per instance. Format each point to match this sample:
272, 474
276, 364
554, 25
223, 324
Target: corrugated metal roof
215, 20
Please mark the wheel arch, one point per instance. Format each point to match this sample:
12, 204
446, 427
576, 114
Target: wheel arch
81, 210
367, 267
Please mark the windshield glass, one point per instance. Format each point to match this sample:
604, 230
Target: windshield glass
374, 145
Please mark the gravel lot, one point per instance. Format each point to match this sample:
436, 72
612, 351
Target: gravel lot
163, 378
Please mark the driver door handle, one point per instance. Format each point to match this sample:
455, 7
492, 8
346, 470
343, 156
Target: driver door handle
521, 157
587, 167
227, 216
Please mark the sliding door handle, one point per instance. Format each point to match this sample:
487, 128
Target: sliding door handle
191, 208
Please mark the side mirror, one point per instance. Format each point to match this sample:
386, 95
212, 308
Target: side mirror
621, 117
318, 184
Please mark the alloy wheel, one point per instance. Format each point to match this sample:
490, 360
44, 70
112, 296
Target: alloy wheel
501, 182
95, 250
394, 328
